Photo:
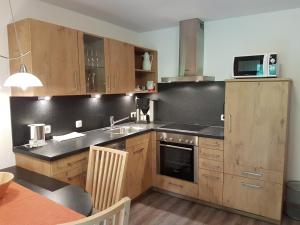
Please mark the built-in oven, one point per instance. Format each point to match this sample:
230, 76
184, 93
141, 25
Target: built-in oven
177, 156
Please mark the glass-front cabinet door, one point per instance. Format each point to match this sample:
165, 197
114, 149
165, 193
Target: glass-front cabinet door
94, 64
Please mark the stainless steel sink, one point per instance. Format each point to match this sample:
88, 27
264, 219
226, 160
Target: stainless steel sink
124, 130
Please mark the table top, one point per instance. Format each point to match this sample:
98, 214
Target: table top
70, 196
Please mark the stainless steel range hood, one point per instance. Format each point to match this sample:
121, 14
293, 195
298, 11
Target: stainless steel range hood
191, 53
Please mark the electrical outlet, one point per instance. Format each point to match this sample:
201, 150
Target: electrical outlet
48, 129
222, 117
78, 123
133, 114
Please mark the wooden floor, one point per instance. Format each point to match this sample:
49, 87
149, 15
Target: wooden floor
160, 209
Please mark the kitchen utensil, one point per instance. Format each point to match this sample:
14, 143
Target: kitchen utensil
150, 85
37, 135
147, 62
5, 179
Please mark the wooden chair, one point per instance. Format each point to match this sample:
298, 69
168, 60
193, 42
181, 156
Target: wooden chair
118, 214
105, 176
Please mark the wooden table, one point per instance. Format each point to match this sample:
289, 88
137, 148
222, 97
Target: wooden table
70, 196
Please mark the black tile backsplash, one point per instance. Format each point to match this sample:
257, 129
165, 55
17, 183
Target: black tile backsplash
62, 112
200, 103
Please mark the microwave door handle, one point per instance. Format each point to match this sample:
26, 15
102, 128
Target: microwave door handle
266, 64
177, 147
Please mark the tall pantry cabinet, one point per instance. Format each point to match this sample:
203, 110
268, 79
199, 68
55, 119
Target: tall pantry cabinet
255, 144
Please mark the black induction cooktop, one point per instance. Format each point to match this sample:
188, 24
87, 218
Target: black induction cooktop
183, 127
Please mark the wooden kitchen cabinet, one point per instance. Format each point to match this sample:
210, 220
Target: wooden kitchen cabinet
106, 65
256, 126
210, 174
71, 169
138, 175
253, 196
53, 57
211, 186
119, 65
59, 57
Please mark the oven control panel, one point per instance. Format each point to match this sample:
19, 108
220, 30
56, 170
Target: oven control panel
177, 138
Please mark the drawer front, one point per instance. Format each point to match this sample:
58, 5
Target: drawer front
211, 186
211, 154
177, 186
137, 139
253, 172
69, 163
211, 143
253, 196
210, 165
75, 176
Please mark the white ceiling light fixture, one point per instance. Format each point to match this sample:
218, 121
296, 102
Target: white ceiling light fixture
22, 78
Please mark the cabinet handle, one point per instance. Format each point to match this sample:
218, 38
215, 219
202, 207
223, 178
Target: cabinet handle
210, 177
177, 185
248, 173
229, 123
76, 80
251, 186
139, 150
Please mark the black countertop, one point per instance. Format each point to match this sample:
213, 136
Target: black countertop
56, 150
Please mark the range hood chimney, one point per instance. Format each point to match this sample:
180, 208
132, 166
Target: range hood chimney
191, 53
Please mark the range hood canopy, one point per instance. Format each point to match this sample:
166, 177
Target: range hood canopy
191, 53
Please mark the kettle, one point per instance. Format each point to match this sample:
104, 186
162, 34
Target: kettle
147, 62
37, 135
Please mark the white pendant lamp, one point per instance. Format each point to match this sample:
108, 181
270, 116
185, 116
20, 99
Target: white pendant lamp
22, 78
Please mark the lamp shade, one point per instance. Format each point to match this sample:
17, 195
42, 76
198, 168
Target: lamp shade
22, 79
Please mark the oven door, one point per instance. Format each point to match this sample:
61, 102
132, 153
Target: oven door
177, 160
249, 66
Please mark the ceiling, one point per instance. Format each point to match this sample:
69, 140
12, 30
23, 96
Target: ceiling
146, 15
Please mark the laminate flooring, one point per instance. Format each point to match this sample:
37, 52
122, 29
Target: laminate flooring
155, 208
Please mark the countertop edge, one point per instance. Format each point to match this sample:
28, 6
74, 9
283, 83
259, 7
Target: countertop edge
18, 149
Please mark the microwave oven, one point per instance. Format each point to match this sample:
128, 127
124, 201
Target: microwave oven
265, 65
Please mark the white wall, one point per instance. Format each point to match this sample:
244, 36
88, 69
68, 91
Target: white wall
166, 42
224, 39
39, 10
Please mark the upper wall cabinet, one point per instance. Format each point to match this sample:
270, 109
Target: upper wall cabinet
53, 57
119, 62
107, 65
70, 62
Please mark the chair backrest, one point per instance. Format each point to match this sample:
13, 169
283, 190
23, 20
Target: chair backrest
105, 176
118, 214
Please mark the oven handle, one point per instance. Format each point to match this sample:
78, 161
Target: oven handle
178, 147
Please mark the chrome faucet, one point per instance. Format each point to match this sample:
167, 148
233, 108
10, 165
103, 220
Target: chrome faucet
113, 122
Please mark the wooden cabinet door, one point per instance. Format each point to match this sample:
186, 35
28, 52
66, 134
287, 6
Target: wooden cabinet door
119, 66
138, 171
256, 125
55, 57
211, 186
253, 196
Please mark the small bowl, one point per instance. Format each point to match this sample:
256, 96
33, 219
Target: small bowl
5, 179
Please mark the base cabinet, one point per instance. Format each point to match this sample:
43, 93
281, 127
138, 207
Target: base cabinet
71, 169
253, 196
138, 175
177, 186
211, 154
211, 186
